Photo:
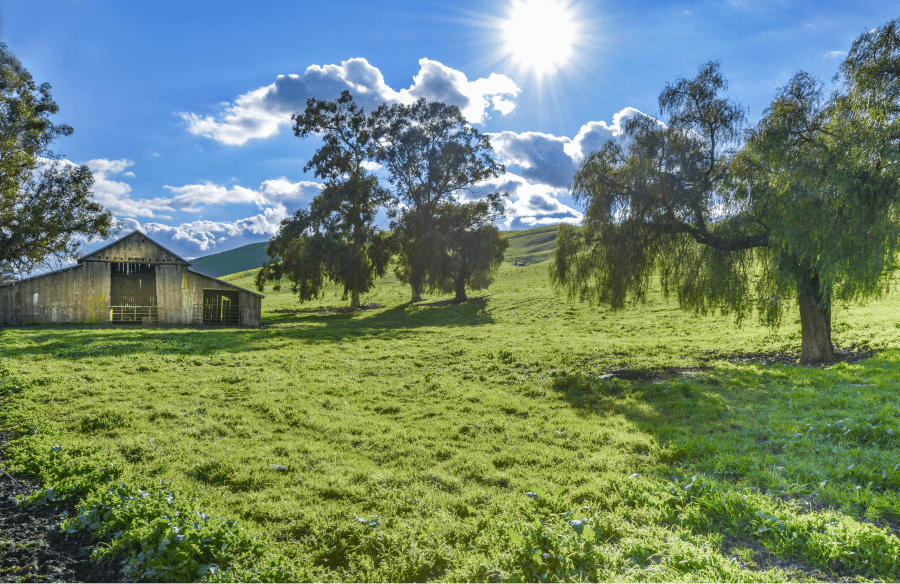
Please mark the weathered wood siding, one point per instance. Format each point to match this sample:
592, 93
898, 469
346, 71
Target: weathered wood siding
251, 304
76, 294
137, 248
81, 294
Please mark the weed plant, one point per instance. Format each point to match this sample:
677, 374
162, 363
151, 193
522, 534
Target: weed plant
484, 441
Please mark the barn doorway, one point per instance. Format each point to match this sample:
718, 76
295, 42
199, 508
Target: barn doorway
132, 294
221, 307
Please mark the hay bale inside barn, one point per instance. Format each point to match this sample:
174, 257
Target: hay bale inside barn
133, 280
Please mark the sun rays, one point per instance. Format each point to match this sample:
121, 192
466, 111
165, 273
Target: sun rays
539, 35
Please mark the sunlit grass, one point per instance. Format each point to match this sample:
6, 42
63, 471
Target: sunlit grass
399, 443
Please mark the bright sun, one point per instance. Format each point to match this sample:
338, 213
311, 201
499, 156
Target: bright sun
540, 34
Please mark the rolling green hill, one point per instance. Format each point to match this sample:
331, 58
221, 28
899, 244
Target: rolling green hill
246, 257
531, 246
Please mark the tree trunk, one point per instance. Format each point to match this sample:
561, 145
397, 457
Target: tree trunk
460, 290
416, 293
815, 323
354, 299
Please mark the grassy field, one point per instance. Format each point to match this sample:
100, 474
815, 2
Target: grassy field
484, 441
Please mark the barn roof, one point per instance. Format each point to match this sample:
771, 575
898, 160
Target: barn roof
124, 237
29, 278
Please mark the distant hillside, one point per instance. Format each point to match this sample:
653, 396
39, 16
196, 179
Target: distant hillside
246, 257
531, 246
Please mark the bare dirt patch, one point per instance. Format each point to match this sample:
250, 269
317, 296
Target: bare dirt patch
32, 546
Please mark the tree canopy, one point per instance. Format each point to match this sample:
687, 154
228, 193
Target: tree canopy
45, 205
462, 248
336, 239
801, 207
430, 153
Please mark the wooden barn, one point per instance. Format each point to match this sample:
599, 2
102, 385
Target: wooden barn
131, 281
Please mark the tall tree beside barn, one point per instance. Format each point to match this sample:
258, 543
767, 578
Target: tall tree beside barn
431, 153
45, 206
801, 208
336, 239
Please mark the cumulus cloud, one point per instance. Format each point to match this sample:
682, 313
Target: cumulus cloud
261, 113
275, 191
835, 54
552, 160
203, 235
593, 135
542, 157
115, 195
529, 203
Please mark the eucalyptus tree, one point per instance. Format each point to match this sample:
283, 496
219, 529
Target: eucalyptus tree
463, 248
336, 239
430, 154
802, 207
46, 209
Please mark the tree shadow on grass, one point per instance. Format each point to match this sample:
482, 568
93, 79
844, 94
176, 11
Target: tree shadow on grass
734, 408
403, 316
76, 342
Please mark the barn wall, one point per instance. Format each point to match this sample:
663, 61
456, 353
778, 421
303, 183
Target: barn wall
251, 305
170, 287
81, 294
77, 294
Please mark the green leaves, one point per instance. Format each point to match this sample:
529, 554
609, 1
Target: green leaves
336, 239
807, 205
45, 204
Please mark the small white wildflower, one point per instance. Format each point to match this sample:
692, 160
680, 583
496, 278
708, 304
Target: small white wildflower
822, 484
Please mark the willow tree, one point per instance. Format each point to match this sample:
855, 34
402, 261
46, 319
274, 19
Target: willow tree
430, 154
798, 211
336, 239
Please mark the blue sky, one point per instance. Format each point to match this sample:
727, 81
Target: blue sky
182, 109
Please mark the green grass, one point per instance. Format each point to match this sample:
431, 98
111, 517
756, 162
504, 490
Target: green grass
531, 246
469, 442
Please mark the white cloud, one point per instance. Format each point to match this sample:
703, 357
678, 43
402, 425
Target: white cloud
542, 157
204, 235
529, 202
261, 113
275, 191
835, 54
593, 135
552, 160
116, 195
